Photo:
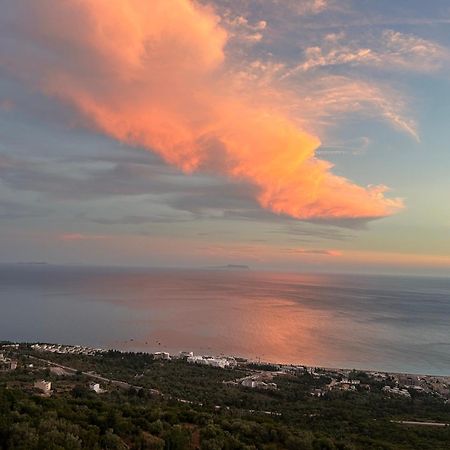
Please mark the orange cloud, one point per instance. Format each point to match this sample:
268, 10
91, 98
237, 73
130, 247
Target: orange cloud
154, 75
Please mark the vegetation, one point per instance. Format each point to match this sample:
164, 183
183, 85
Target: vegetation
196, 410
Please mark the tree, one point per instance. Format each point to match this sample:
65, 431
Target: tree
177, 438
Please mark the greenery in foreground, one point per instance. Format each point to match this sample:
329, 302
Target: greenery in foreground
219, 417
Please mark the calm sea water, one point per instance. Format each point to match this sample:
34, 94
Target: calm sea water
368, 322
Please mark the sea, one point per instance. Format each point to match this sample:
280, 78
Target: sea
384, 323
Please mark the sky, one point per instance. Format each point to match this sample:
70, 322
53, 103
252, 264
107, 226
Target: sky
300, 135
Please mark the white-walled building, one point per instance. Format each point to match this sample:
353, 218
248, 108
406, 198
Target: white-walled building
161, 355
195, 359
43, 386
96, 388
209, 361
7, 363
254, 383
248, 382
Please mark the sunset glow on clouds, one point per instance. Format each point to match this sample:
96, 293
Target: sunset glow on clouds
153, 75
204, 132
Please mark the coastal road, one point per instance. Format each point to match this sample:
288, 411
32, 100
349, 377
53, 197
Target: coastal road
121, 384
426, 424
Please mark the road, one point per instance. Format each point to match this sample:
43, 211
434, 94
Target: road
427, 424
119, 383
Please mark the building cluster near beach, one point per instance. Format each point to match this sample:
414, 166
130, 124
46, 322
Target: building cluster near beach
222, 362
262, 375
68, 349
393, 384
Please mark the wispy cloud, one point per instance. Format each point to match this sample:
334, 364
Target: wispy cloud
324, 233
240, 29
357, 146
302, 7
12, 210
260, 251
338, 95
313, 251
73, 237
391, 50
318, 100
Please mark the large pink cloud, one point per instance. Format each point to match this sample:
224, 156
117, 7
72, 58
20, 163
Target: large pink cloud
154, 75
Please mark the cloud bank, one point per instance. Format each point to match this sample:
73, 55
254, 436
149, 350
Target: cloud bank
154, 75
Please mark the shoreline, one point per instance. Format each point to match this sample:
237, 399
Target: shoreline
245, 360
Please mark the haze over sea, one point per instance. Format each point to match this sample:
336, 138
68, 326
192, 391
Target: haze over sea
350, 321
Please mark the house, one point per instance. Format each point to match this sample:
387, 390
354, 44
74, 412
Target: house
217, 362
161, 355
195, 359
231, 361
408, 380
96, 388
230, 383
248, 382
317, 393
44, 386
7, 363
252, 383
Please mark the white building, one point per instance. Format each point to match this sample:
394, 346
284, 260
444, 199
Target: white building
43, 386
217, 362
185, 355
231, 361
195, 359
317, 393
161, 355
209, 361
248, 382
251, 383
96, 388
7, 364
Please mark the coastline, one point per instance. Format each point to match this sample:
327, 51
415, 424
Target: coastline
91, 351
